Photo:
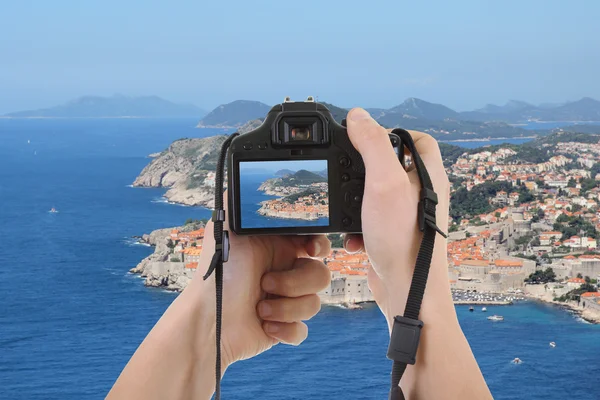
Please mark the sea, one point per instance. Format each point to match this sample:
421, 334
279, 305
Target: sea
71, 315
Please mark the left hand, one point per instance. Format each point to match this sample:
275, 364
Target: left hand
270, 286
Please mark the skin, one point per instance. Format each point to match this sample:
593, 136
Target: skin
270, 286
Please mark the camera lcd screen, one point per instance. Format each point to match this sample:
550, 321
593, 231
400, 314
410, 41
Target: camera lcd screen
275, 194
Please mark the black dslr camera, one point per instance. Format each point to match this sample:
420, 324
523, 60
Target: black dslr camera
296, 173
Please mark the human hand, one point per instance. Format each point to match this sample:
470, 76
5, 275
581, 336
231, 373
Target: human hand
269, 288
391, 237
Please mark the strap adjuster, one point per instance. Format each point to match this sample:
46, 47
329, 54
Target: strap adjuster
218, 215
404, 341
224, 246
426, 211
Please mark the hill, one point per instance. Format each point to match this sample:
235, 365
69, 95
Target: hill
114, 107
234, 114
417, 108
586, 109
302, 177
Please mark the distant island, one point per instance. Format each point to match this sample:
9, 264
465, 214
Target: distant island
438, 120
234, 114
117, 106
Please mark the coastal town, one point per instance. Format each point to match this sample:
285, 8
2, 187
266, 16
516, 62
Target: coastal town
307, 203
518, 229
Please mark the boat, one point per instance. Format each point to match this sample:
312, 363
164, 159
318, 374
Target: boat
484, 309
53, 210
552, 344
496, 318
471, 309
517, 360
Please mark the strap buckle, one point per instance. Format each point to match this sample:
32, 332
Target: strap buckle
224, 246
426, 211
218, 215
404, 341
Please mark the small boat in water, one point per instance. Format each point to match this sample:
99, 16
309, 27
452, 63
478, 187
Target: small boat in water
496, 318
517, 360
484, 309
471, 309
53, 210
552, 344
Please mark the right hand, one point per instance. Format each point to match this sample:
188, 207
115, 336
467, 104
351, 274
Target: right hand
391, 237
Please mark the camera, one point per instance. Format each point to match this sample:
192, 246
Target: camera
297, 173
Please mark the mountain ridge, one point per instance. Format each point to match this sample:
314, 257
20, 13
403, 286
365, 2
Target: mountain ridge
116, 106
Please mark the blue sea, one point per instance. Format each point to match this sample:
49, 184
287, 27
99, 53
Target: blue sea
71, 315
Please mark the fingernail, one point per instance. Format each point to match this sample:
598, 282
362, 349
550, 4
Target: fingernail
359, 114
317, 248
264, 309
271, 328
346, 242
268, 284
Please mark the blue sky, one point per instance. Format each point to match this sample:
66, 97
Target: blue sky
372, 53
274, 166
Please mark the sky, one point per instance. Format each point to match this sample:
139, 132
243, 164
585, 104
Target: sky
463, 54
274, 166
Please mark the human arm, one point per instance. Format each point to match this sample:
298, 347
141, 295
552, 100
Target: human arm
445, 366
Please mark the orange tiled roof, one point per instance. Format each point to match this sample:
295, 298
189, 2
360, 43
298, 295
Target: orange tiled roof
192, 265
508, 263
576, 280
591, 294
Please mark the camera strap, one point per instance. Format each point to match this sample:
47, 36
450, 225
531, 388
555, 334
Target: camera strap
406, 330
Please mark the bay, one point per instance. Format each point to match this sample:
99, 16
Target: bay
71, 316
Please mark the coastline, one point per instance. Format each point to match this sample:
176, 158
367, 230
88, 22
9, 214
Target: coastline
589, 315
272, 214
487, 139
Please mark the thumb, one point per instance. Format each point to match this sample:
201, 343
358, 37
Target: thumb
373, 143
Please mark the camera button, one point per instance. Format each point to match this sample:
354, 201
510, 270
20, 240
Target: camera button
347, 197
345, 162
248, 146
357, 198
347, 221
345, 177
262, 146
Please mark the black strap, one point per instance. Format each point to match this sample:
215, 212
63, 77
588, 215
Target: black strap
216, 263
402, 350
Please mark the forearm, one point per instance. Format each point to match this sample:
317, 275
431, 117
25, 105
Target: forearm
176, 360
445, 367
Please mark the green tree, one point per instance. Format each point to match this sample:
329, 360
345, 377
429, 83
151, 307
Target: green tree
175, 259
542, 276
336, 240
579, 275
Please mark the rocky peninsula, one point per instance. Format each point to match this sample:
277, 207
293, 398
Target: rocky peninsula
187, 169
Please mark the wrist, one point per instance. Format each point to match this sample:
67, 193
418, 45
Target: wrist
437, 305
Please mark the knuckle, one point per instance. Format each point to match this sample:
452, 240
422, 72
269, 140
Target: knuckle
289, 284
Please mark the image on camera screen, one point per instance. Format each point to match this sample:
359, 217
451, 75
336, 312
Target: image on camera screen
275, 194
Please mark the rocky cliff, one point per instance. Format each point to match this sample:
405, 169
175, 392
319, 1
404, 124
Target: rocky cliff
184, 168
157, 270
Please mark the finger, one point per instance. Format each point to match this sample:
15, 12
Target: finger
353, 243
307, 276
373, 143
290, 333
286, 309
318, 246
429, 151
